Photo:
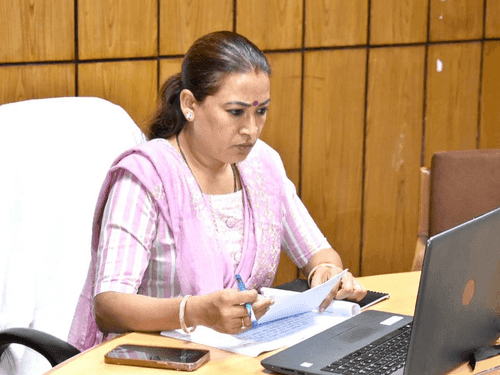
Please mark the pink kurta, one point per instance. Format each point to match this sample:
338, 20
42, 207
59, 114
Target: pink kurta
184, 236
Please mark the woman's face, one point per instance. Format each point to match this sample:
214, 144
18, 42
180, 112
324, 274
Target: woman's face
227, 124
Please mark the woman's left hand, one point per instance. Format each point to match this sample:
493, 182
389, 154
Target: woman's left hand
348, 288
262, 305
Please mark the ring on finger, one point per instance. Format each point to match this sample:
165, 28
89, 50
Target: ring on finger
242, 324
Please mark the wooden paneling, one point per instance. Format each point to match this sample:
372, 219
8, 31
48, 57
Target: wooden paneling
456, 20
184, 21
392, 160
282, 129
353, 154
36, 81
490, 97
334, 107
396, 21
336, 22
36, 30
169, 67
117, 28
130, 84
492, 27
452, 97
273, 24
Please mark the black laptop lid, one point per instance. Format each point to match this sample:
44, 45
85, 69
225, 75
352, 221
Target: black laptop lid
458, 304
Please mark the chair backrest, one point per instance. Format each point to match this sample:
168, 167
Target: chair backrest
460, 185
464, 185
54, 154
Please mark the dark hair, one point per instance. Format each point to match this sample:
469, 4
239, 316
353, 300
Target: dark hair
208, 61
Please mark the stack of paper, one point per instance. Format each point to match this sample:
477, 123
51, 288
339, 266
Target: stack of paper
291, 319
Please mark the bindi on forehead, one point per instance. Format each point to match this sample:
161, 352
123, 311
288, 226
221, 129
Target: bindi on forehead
246, 104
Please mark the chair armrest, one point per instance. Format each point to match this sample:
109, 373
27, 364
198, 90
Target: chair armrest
52, 348
418, 258
423, 222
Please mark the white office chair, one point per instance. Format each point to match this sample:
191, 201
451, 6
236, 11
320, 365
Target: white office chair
54, 154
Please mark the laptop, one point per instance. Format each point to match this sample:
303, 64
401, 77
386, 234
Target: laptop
457, 311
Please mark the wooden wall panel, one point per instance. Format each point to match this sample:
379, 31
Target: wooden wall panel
182, 22
452, 97
273, 24
130, 84
492, 27
396, 21
357, 174
282, 129
169, 67
336, 22
36, 30
334, 107
392, 161
456, 20
36, 81
117, 28
490, 97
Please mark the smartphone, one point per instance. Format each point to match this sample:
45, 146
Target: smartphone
158, 356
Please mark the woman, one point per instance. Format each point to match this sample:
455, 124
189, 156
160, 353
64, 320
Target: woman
203, 200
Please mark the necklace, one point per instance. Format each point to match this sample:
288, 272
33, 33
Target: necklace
235, 171
233, 167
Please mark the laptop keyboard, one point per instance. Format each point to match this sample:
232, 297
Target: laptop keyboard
383, 356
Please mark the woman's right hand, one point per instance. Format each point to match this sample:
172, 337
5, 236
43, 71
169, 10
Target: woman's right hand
225, 311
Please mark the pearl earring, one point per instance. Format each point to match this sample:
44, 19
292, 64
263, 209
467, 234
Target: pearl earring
189, 116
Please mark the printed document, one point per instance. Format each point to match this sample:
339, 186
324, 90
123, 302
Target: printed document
292, 318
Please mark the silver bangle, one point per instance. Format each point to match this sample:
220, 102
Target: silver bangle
182, 307
311, 273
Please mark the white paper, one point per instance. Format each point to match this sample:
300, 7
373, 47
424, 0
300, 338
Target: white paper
265, 337
300, 302
273, 292
292, 318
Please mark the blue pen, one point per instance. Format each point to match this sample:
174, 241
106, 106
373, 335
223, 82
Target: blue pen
242, 287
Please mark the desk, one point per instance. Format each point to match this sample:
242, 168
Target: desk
402, 287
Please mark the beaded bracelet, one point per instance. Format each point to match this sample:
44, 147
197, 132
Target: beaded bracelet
182, 307
311, 273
